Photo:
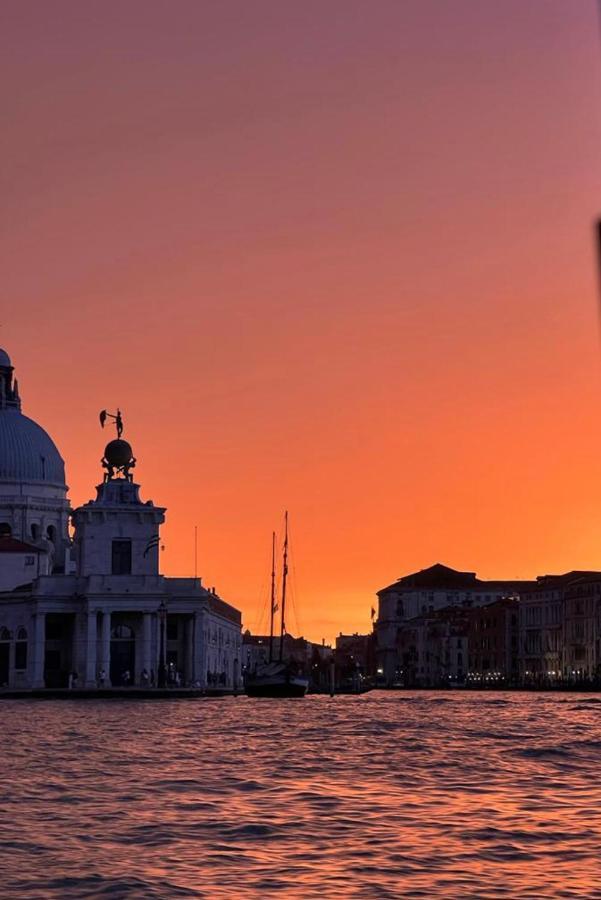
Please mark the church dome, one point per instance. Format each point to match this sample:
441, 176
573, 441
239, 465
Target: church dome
27, 453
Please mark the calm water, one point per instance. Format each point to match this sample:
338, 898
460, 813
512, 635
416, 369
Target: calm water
386, 795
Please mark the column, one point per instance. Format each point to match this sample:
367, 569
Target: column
145, 656
91, 638
39, 647
189, 662
105, 648
198, 641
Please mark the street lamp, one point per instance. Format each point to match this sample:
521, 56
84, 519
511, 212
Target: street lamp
161, 679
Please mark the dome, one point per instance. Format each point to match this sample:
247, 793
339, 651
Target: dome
27, 453
5, 359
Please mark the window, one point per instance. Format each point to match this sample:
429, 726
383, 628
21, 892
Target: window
30, 560
35, 531
122, 633
121, 558
5, 529
172, 632
4, 634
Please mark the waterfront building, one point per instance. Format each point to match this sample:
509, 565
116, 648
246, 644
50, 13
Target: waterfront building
581, 659
542, 632
492, 639
95, 611
419, 595
432, 649
34, 510
358, 650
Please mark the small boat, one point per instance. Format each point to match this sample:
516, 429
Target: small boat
277, 678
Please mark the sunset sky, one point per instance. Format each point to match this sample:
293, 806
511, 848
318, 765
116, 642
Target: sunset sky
329, 255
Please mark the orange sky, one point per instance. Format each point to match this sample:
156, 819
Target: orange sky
330, 256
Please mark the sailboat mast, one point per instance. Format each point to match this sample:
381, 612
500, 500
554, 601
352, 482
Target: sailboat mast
284, 578
272, 597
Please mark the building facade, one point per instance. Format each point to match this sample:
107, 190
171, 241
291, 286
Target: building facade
493, 643
421, 595
96, 611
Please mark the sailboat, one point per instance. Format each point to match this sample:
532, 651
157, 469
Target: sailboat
277, 678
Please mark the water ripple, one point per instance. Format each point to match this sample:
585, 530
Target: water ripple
387, 795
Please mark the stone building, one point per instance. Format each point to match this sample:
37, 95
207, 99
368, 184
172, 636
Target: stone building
96, 606
492, 639
432, 649
542, 626
581, 659
420, 595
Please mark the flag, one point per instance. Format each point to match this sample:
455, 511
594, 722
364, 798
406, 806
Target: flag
373, 612
153, 542
103, 417
275, 607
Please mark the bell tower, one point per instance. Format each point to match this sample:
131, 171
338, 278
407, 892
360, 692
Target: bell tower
9, 388
118, 533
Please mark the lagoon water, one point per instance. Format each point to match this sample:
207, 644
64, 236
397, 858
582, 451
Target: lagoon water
395, 794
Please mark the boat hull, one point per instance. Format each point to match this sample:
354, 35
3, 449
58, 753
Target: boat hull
277, 687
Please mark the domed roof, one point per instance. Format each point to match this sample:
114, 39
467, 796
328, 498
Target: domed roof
27, 453
5, 359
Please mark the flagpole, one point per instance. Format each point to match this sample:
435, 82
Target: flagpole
195, 552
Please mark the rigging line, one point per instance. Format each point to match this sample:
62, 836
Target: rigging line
293, 585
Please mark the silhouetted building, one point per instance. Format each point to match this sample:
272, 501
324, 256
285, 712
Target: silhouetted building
432, 649
420, 595
544, 636
493, 645
582, 629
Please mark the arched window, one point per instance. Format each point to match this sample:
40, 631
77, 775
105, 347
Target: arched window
5, 529
51, 533
21, 649
35, 531
122, 632
4, 634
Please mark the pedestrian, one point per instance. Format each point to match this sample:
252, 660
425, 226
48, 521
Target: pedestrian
101, 678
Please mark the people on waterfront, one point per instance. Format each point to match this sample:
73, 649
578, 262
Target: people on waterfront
126, 677
145, 678
101, 678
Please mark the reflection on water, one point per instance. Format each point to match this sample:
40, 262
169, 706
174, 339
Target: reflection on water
385, 795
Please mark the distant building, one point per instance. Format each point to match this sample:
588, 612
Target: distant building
582, 629
355, 659
493, 643
420, 595
560, 628
95, 611
432, 649
359, 648
309, 657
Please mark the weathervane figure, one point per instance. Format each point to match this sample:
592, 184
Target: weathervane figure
104, 415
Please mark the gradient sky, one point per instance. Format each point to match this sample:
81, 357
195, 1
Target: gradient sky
335, 256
